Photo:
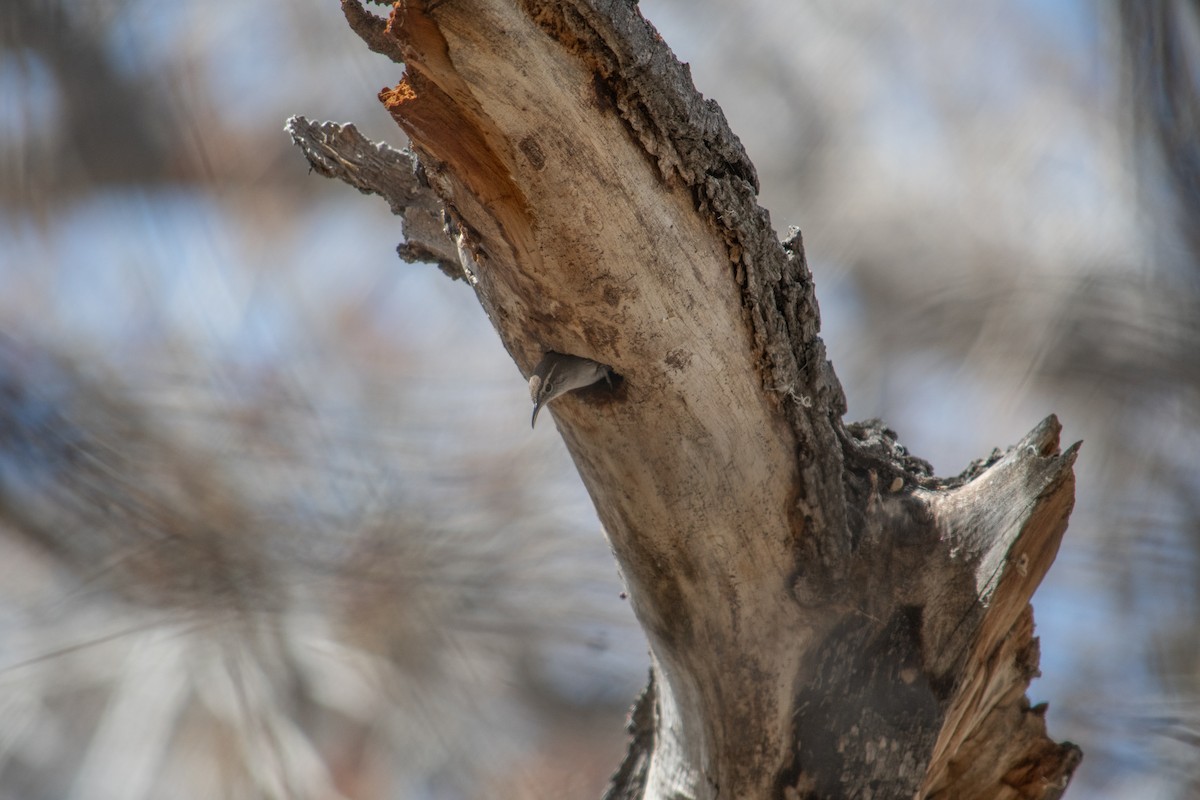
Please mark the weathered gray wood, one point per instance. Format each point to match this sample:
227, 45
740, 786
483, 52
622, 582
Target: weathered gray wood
340, 151
825, 618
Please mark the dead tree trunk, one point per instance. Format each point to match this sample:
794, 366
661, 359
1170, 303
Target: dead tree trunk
826, 619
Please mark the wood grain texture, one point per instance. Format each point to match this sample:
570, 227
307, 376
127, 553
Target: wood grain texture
825, 617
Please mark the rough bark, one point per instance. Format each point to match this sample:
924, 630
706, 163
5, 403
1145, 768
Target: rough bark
825, 618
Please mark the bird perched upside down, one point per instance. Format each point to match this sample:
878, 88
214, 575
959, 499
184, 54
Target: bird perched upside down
558, 374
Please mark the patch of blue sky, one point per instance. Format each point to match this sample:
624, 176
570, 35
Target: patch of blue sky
29, 98
1073, 24
246, 61
131, 268
238, 48
905, 129
147, 35
346, 253
1068, 175
38, 440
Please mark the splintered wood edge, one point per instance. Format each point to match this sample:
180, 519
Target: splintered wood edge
1011, 519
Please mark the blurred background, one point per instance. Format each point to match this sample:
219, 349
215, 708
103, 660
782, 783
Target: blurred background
272, 522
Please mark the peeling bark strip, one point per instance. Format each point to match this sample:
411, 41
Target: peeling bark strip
825, 618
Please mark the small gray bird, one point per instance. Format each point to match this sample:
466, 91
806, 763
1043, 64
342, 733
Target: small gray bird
558, 374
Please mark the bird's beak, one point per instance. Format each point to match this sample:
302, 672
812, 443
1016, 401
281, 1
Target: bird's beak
536, 408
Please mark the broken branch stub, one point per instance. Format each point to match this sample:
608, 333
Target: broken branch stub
825, 618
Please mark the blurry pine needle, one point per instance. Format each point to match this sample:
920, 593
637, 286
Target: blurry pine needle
272, 623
